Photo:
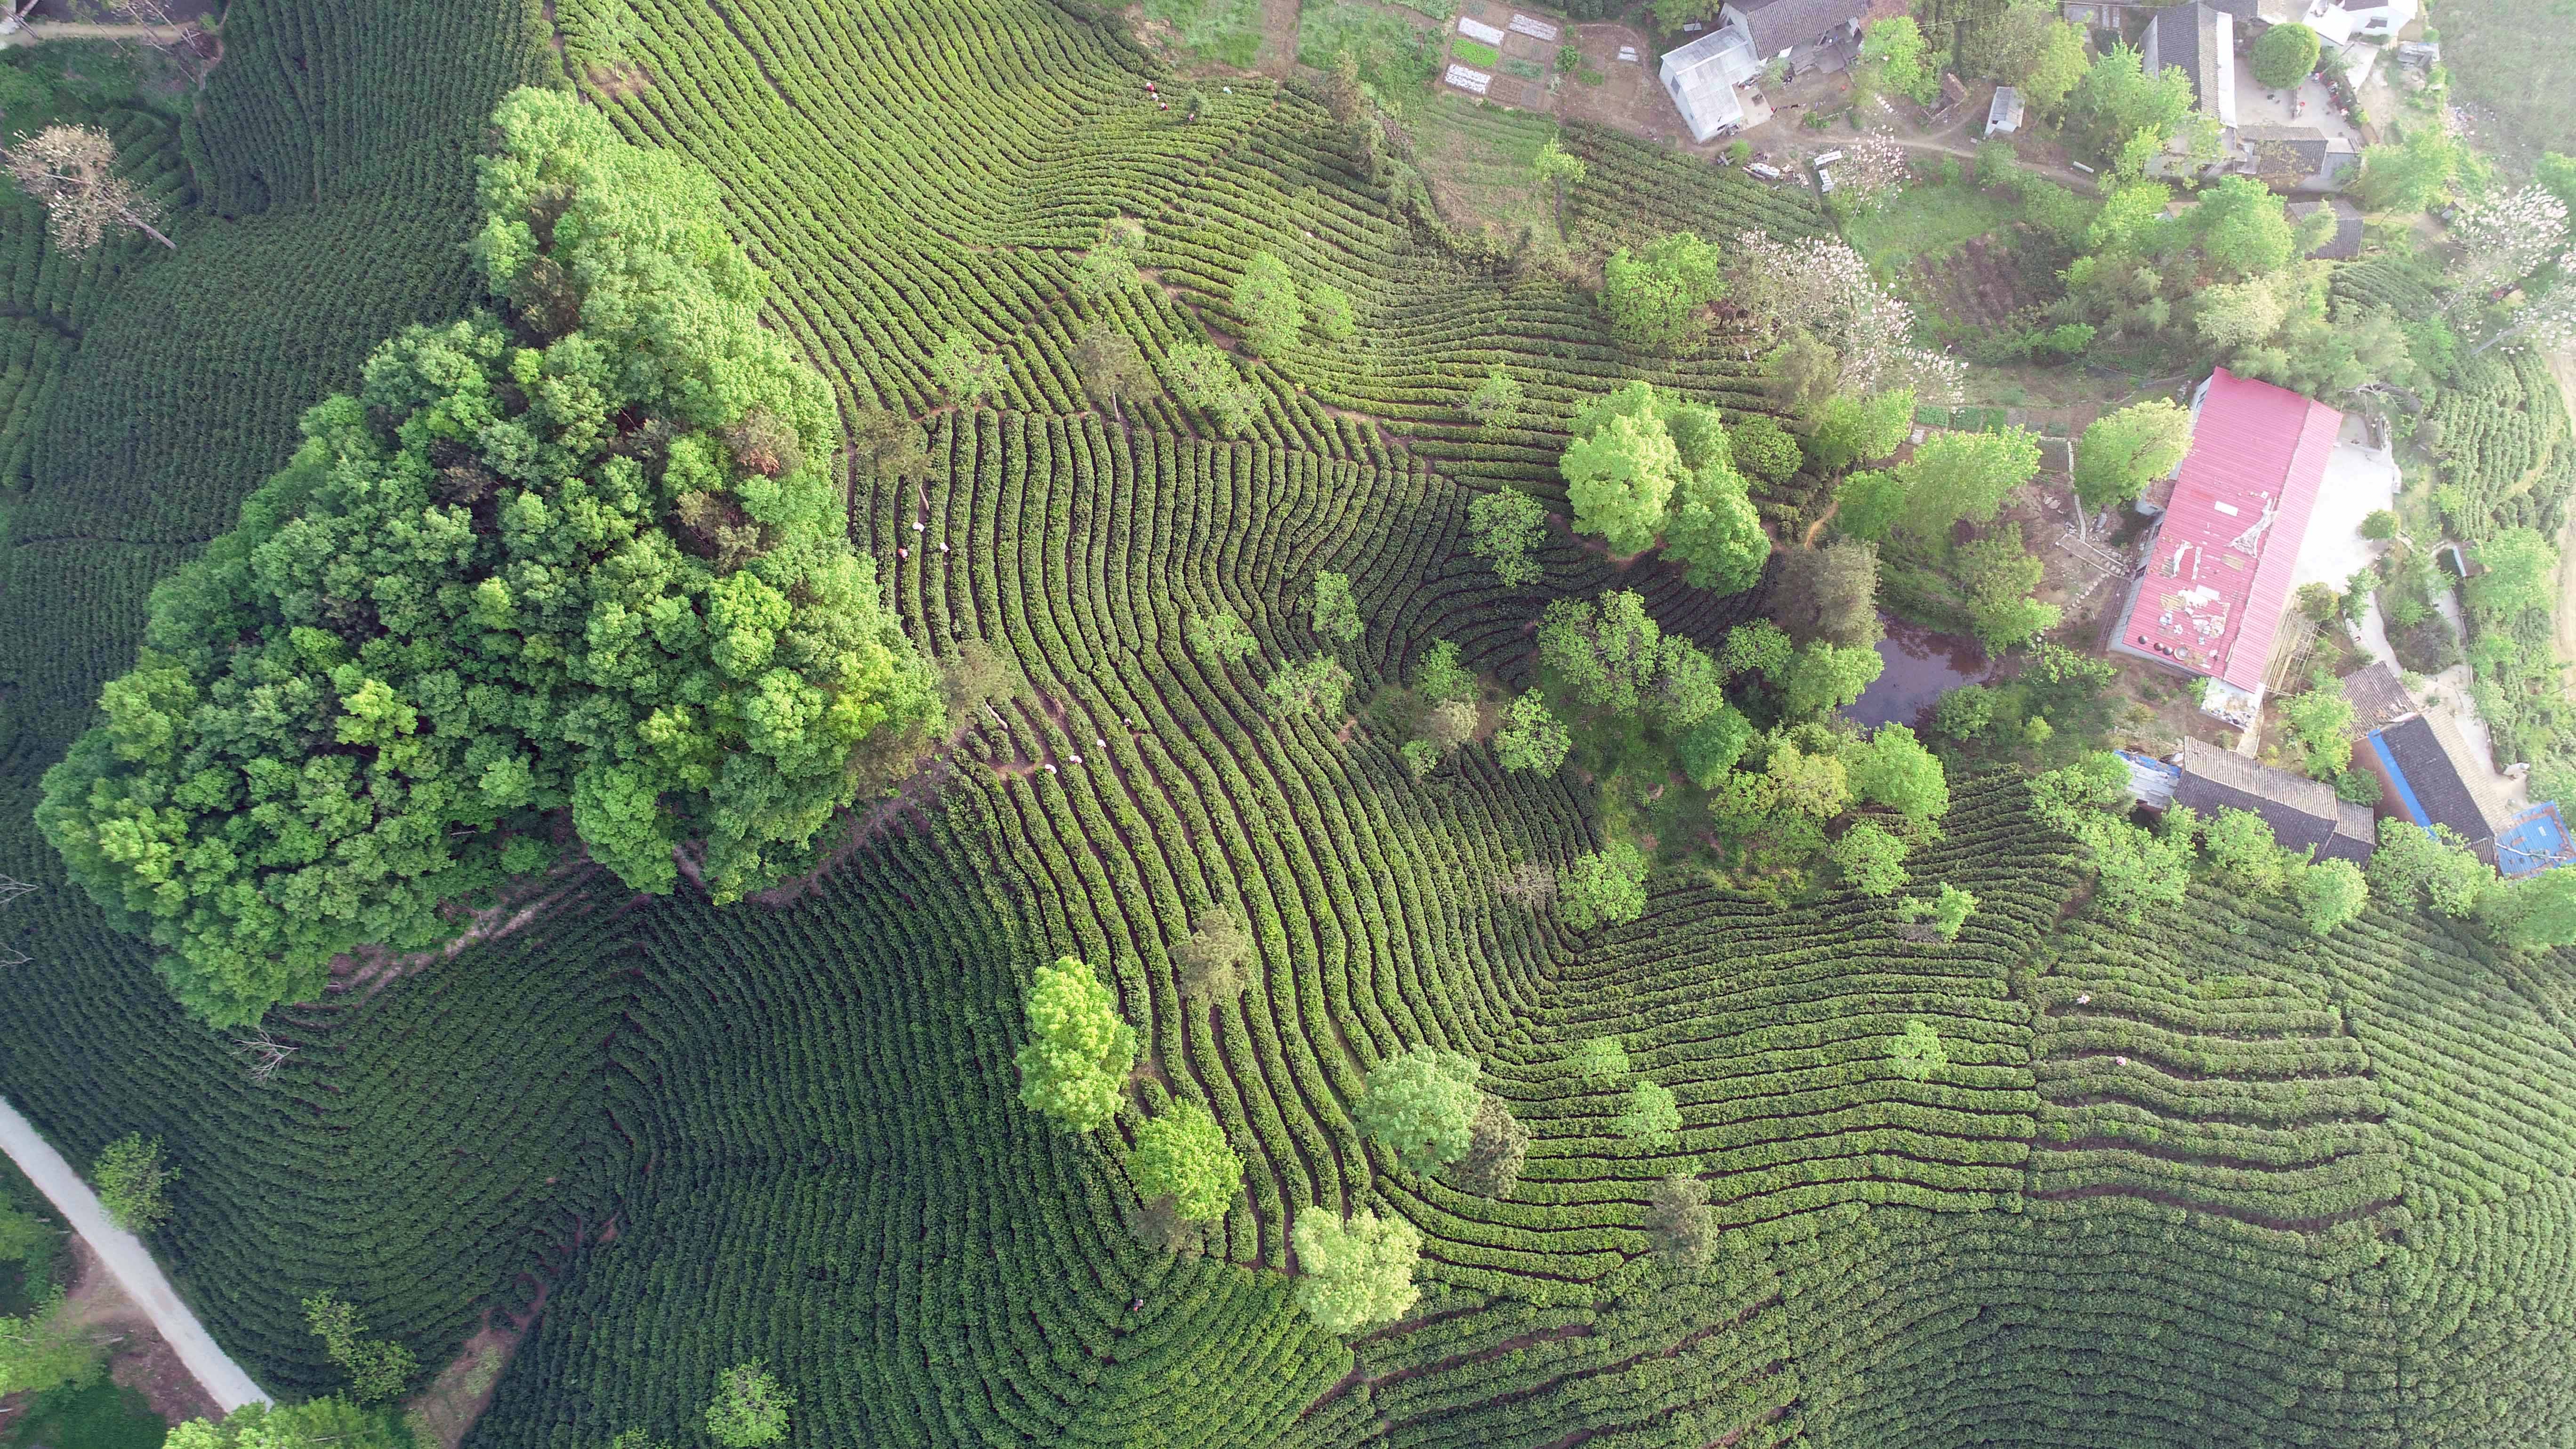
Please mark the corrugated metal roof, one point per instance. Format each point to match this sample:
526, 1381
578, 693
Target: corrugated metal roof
2218, 575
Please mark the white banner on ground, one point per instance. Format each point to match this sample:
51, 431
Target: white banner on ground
1474, 29
1535, 29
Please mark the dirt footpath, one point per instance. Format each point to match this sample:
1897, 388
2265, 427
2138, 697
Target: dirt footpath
2563, 367
139, 1357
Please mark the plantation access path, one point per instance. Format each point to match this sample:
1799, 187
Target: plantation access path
37, 32
128, 1262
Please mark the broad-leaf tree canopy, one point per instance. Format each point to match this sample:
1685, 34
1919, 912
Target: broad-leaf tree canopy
590, 557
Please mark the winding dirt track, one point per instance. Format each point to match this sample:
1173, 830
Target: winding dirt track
128, 1262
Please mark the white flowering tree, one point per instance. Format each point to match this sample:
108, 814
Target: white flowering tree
1873, 168
1821, 286
2506, 239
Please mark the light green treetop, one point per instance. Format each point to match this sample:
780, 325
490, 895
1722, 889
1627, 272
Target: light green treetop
1079, 1051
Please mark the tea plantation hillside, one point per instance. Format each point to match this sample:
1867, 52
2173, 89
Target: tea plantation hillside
2203, 1179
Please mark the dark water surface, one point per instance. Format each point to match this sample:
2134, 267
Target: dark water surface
1921, 667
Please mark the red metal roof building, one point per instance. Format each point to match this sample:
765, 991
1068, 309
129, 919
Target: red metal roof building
2218, 569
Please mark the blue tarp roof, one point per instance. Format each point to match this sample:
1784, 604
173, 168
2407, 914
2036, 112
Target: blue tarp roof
2534, 842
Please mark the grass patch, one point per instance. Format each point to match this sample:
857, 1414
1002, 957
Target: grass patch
98, 1415
1478, 160
1398, 56
1590, 77
1924, 221
1525, 69
1439, 10
1476, 53
1225, 31
2508, 60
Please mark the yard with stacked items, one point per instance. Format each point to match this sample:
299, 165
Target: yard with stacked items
1030, 723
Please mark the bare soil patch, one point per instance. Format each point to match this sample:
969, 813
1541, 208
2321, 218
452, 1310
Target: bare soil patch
138, 1357
463, 1390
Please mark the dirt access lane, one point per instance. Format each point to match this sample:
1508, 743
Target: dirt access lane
128, 1262
2563, 367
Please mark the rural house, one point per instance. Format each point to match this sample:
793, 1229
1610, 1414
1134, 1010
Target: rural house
2345, 244
1788, 29
2217, 575
2200, 40
2305, 815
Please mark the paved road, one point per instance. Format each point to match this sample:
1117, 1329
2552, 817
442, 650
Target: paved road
128, 1262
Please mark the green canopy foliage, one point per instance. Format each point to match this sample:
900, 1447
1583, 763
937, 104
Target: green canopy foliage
1355, 1272
1657, 300
1649, 1115
132, 1183
1507, 526
45, 1347
1220, 639
1531, 737
1892, 768
2284, 54
2518, 571
1605, 888
1420, 1105
1643, 466
378, 1368
1848, 429
1871, 859
1265, 297
750, 1407
592, 558
1917, 1053
1337, 613
2122, 452
1075, 1063
333, 1422
1182, 1154
2416, 866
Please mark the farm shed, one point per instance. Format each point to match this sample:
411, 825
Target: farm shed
2217, 576
2004, 113
2432, 776
2305, 815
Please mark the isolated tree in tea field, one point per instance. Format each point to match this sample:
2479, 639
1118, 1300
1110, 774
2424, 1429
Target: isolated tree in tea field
1946, 913
965, 371
2285, 54
1600, 1059
1421, 1106
1336, 613
1182, 1154
1329, 309
1215, 958
594, 559
1220, 639
71, 172
1558, 168
1605, 888
1714, 528
378, 1368
1355, 1272
1506, 527
1109, 267
1657, 300
1440, 676
1530, 737
133, 1183
1679, 1220
1313, 688
1207, 379
1495, 406
1112, 370
1265, 297
2238, 845
750, 1407
1074, 1066
1917, 1053
1649, 1116
2122, 452
1497, 1145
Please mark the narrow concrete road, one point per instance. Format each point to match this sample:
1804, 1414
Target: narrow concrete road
128, 1262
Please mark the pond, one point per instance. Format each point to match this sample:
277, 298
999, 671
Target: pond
1922, 665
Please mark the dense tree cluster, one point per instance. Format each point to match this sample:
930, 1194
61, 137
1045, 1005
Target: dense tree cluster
1643, 466
592, 557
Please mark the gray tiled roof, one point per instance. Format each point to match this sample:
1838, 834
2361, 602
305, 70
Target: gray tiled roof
2305, 815
1777, 25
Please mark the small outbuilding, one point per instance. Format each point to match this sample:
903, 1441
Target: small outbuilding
2004, 113
1702, 76
2305, 815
